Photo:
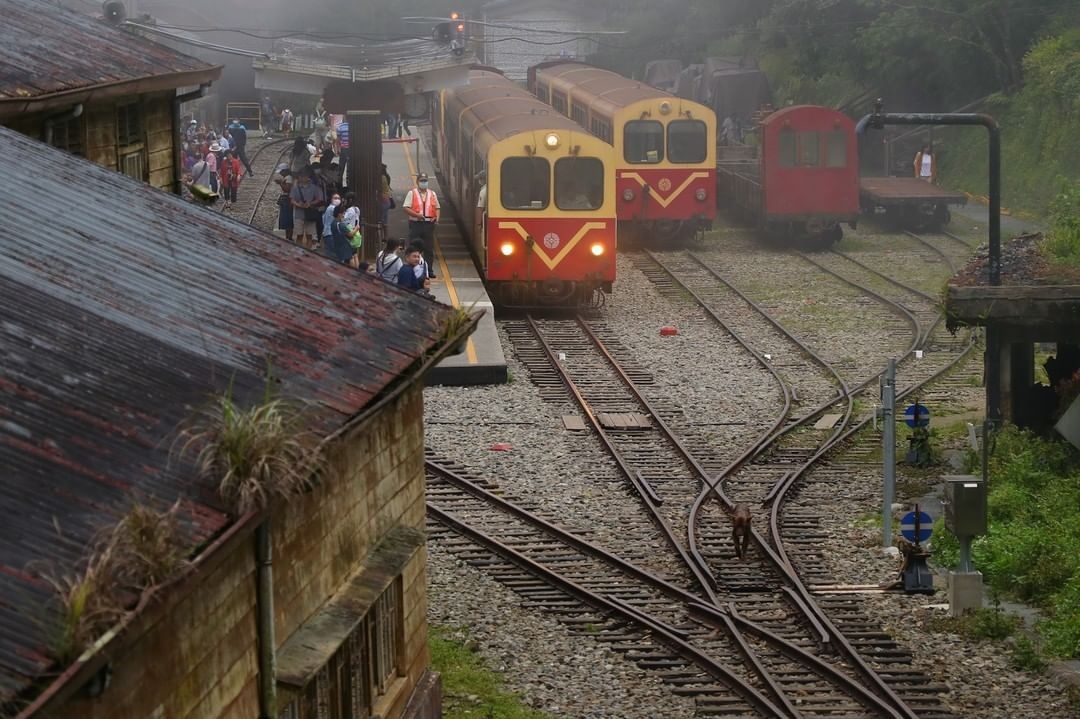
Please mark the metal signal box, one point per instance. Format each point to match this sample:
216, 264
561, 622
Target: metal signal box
965, 505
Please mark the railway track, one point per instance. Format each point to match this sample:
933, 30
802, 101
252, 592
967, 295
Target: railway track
652, 622
793, 645
263, 161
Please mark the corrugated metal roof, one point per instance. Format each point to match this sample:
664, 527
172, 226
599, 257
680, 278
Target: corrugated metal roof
122, 308
47, 49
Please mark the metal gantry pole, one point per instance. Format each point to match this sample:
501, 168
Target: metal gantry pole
888, 416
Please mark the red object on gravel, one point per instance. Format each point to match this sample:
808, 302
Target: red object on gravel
500, 447
668, 331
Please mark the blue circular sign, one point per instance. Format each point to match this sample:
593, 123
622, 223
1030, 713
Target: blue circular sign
916, 415
907, 527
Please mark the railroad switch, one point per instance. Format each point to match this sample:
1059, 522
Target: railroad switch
915, 575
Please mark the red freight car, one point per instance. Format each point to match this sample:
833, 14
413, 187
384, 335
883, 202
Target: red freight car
801, 181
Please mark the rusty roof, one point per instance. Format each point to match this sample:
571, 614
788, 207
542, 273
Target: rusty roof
122, 308
46, 50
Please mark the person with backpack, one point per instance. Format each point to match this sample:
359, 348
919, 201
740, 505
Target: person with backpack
239, 139
231, 172
388, 262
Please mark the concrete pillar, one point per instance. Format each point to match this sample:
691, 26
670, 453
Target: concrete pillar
965, 592
365, 173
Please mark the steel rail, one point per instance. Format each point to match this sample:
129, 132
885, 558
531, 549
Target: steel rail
936, 250
798, 593
658, 630
704, 578
266, 185
690, 601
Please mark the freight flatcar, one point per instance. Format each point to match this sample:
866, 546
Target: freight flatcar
665, 146
544, 227
801, 181
908, 202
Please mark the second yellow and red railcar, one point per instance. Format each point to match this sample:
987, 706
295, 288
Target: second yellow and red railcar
533, 188
665, 146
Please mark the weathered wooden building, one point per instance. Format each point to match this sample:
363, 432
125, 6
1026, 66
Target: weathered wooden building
521, 33
109, 347
95, 90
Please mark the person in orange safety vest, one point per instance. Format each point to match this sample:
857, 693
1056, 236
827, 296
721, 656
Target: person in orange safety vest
421, 204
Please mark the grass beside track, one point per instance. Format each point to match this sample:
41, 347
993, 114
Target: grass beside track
471, 690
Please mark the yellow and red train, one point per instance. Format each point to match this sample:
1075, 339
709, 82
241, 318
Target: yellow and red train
665, 146
544, 226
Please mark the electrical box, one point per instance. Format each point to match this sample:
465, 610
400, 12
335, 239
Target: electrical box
965, 505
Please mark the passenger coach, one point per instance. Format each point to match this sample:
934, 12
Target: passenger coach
665, 146
544, 227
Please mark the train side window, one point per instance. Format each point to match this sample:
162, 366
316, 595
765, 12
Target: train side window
579, 183
558, 101
809, 149
836, 149
643, 142
786, 141
686, 141
525, 183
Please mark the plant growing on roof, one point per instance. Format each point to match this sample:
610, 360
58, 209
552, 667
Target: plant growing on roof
86, 605
455, 323
252, 454
147, 546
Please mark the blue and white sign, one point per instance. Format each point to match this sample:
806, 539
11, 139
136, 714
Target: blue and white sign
916, 410
907, 527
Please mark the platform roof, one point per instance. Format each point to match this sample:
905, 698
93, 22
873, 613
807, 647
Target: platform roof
306, 66
51, 56
124, 308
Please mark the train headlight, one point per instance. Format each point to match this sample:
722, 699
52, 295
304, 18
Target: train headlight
551, 140
665, 107
628, 194
507, 248
597, 249
700, 194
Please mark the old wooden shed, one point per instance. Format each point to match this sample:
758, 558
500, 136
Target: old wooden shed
96, 90
109, 346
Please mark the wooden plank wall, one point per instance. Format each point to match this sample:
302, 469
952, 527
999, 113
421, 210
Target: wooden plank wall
378, 484
100, 139
199, 661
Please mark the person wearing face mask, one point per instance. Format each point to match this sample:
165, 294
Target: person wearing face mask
328, 223
422, 206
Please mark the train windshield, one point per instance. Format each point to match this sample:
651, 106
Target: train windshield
643, 142
579, 183
525, 183
686, 141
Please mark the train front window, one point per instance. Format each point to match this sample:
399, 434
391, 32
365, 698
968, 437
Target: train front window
579, 183
836, 149
643, 142
809, 149
686, 141
525, 183
786, 142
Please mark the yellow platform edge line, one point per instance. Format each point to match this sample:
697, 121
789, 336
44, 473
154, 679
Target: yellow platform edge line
470, 346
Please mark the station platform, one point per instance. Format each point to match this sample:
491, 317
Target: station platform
457, 282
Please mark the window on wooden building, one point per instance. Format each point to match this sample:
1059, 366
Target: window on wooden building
68, 135
362, 670
129, 124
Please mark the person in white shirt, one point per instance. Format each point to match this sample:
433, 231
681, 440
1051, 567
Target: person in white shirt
926, 164
388, 262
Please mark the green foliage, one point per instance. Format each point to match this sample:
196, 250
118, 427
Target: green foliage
252, 454
1032, 548
470, 689
1062, 630
1063, 244
989, 623
1026, 656
1040, 124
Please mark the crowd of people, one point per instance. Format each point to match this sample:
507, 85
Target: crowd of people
315, 208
